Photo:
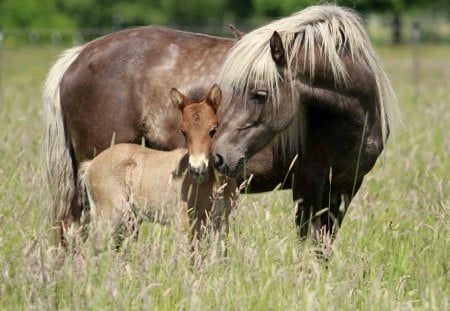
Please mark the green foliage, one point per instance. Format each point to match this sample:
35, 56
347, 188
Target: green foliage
32, 14
124, 13
273, 9
394, 6
194, 12
241, 9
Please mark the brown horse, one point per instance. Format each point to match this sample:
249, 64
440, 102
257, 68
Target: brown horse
128, 182
314, 79
111, 87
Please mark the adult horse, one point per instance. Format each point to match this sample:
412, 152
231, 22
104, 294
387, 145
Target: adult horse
314, 80
114, 86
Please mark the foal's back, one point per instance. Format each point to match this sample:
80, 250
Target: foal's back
131, 175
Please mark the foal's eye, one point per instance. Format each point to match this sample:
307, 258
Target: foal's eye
213, 132
183, 132
260, 96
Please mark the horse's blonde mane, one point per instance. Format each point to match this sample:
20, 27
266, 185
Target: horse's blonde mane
315, 27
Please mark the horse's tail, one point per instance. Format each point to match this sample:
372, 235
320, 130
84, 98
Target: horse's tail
58, 161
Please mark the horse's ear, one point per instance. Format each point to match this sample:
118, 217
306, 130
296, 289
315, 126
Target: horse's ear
215, 96
277, 49
236, 32
178, 99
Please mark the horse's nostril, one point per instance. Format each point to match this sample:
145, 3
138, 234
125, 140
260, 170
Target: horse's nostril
218, 160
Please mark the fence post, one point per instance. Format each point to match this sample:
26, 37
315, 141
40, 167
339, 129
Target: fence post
77, 38
56, 38
1, 68
416, 60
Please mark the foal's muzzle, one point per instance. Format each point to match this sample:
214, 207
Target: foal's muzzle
198, 168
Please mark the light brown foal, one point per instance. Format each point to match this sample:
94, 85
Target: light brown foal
128, 182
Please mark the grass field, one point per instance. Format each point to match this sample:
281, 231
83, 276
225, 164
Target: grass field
392, 253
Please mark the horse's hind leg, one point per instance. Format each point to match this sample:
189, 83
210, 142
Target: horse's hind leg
71, 225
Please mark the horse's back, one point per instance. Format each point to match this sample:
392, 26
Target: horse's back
119, 85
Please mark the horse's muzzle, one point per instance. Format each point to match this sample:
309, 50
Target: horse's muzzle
228, 169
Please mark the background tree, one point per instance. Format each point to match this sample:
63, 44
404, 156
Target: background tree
397, 8
33, 14
59, 14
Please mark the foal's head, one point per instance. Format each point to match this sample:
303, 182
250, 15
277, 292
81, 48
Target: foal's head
198, 126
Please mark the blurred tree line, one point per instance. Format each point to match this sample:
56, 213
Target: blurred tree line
79, 14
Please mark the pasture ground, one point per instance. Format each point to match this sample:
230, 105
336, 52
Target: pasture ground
392, 253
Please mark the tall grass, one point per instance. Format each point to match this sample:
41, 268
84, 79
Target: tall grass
393, 251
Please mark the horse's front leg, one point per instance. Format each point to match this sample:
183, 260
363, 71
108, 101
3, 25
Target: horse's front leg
331, 204
335, 204
307, 193
347, 196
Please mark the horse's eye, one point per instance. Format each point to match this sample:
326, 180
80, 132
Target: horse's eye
213, 132
260, 96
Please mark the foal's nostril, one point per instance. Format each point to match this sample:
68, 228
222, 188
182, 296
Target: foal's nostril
193, 170
218, 160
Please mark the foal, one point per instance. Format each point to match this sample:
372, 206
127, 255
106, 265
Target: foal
128, 182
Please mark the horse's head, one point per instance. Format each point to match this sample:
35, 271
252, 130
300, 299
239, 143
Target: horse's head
198, 126
259, 105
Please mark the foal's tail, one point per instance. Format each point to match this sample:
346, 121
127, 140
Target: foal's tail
84, 192
58, 161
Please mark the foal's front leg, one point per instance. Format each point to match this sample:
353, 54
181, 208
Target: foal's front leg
222, 204
212, 209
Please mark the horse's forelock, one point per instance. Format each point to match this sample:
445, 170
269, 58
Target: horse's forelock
328, 27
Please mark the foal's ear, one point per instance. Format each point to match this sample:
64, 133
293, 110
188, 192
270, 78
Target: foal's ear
178, 99
277, 49
215, 97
